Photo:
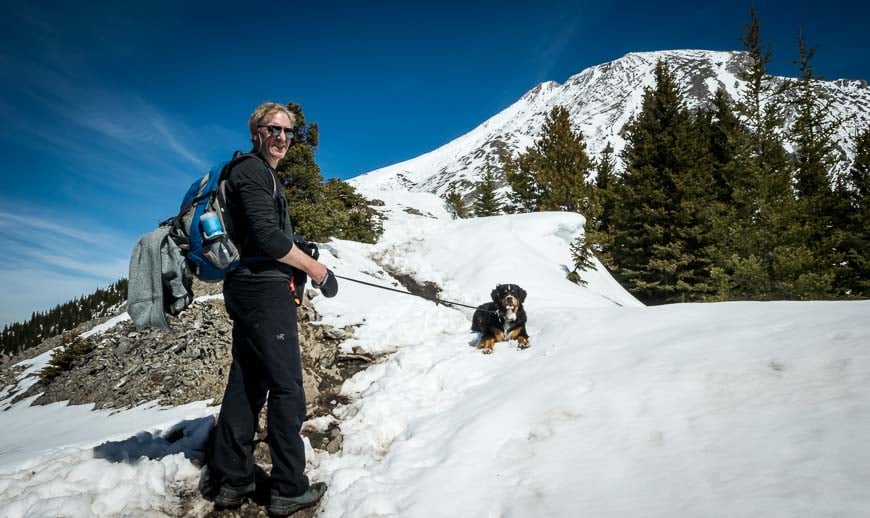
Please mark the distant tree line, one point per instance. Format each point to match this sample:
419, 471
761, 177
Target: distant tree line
18, 337
711, 205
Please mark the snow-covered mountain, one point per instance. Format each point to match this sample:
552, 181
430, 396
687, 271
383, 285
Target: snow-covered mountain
601, 100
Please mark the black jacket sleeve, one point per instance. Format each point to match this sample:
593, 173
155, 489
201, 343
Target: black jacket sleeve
255, 186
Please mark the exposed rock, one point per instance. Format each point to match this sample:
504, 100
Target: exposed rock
190, 362
428, 290
417, 212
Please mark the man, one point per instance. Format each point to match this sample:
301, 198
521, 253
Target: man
266, 359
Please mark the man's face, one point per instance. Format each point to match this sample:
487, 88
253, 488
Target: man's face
274, 147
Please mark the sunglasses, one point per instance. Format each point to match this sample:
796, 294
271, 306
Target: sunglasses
274, 131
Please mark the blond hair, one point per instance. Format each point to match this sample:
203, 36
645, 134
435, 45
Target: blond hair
261, 112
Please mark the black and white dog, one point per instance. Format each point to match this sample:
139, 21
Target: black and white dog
502, 319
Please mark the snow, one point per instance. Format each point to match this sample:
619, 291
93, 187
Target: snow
60, 460
616, 409
108, 324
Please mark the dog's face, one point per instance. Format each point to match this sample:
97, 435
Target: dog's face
509, 299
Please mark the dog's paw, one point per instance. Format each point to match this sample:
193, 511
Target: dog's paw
523, 343
486, 345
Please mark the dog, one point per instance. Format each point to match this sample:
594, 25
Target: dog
502, 319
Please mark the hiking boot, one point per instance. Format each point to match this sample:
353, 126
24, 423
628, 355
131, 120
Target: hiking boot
232, 496
287, 505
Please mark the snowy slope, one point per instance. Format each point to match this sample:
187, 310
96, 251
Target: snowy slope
736, 409
718, 410
600, 100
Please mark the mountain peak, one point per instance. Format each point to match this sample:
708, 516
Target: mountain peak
544, 88
601, 100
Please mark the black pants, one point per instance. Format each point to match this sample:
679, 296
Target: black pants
265, 361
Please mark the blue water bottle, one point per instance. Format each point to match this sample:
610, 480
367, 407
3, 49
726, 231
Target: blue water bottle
211, 225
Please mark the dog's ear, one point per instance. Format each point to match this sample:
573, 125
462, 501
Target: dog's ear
522, 294
494, 294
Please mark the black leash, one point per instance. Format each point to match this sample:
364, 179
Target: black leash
433, 299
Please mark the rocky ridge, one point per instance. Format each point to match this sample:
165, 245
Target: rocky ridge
123, 367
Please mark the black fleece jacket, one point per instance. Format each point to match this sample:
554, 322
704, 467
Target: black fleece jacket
260, 220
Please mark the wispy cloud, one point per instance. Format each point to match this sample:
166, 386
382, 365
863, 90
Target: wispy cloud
51, 257
34, 226
122, 124
175, 135
554, 46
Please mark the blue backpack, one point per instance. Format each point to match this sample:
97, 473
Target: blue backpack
203, 229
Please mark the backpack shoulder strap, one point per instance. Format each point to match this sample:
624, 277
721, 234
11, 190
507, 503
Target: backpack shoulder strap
238, 157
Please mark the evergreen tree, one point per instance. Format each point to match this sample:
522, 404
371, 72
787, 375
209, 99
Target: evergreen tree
761, 248
319, 211
351, 217
660, 230
455, 203
552, 174
853, 278
581, 254
300, 175
605, 171
760, 105
816, 239
721, 131
523, 196
811, 131
597, 233
486, 200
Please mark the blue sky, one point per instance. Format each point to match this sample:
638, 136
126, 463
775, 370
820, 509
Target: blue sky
110, 111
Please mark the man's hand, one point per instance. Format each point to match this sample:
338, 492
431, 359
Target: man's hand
301, 260
328, 286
